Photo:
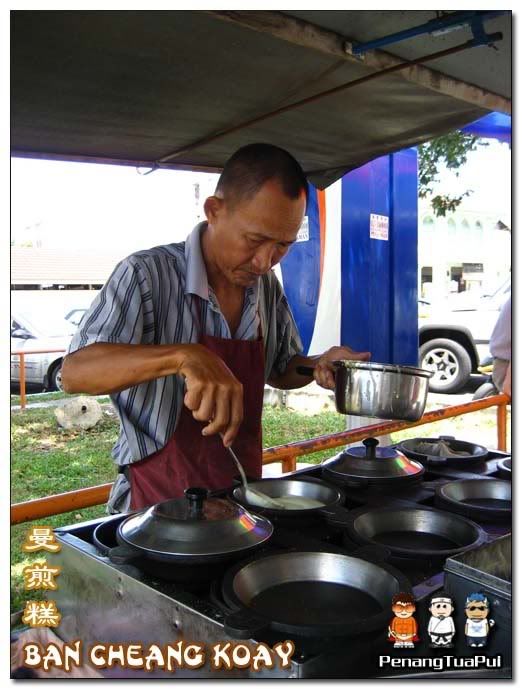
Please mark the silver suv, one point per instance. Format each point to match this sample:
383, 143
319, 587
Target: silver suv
454, 338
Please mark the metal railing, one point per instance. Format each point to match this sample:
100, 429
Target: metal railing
286, 454
22, 354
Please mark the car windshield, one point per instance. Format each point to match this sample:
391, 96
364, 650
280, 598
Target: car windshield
47, 323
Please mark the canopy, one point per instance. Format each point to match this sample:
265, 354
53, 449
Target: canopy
496, 125
143, 87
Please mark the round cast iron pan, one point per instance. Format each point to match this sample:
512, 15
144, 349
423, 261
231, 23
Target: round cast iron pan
310, 487
476, 453
187, 573
343, 595
482, 499
504, 468
414, 532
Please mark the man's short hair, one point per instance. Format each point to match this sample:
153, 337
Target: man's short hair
477, 598
250, 167
403, 598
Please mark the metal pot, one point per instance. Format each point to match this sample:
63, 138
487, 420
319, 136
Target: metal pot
193, 530
484, 499
384, 391
310, 594
413, 532
370, 465
443, 450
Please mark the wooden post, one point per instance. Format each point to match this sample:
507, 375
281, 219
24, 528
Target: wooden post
288, 464
58, 504
502, 426
22, 380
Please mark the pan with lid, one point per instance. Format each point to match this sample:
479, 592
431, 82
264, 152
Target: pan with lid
191, 531
370, 465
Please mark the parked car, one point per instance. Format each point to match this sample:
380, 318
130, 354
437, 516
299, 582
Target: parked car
75, 316
39, 330
454, 338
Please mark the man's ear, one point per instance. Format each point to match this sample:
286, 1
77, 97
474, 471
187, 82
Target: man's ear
213, 206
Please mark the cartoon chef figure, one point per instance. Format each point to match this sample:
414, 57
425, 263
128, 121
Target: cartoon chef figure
441, 627
477, 625
402, 630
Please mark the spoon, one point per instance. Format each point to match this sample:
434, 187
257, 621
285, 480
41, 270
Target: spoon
252, 494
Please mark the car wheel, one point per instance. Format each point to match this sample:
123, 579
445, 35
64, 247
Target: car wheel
450, 363
55, 377
485, 390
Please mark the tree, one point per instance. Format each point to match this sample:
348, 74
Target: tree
451, 150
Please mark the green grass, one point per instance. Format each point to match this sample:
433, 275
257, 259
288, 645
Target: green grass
38, 397
46, 459
48, 397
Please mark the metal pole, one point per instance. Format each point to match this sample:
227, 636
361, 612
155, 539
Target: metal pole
21, 356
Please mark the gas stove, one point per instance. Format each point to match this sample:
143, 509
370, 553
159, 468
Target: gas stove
101, 602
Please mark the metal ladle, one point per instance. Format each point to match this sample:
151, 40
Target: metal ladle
252, 494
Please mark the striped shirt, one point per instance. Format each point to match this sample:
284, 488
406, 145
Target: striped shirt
153, 297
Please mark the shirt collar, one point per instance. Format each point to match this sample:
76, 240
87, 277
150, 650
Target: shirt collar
196, 280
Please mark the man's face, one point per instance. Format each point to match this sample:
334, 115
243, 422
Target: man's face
252, 236
477, 610
403, 610
441, 609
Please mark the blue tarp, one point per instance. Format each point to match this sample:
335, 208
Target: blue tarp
496, 125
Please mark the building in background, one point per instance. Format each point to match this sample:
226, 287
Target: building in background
463, 251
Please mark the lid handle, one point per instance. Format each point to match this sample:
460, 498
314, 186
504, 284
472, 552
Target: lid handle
370, 444
196, 498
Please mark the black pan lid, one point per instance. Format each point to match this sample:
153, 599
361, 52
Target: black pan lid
195, 525
370, 462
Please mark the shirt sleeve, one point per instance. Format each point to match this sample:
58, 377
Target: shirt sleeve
500, 341
287, 341
121, 312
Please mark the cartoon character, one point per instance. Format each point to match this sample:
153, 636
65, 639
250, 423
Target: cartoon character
403, 628
441, 627
477, 625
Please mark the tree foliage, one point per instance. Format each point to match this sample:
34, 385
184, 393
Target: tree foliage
452, 151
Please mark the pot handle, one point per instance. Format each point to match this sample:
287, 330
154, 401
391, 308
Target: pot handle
122, 555
244, 625
304, 370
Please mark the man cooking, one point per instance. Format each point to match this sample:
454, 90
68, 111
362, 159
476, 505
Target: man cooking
184, 336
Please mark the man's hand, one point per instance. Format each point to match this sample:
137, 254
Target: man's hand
324, 368
214, 395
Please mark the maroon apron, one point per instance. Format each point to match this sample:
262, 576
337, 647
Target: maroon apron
190, 459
